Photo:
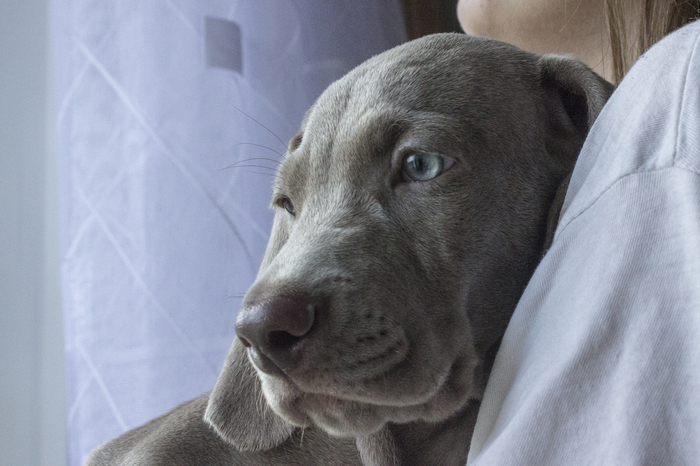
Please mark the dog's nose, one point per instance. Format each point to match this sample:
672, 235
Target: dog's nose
273, 330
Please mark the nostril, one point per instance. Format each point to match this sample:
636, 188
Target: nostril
245, 342
280, 340
276, 326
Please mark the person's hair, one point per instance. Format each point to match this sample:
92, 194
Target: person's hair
636, 25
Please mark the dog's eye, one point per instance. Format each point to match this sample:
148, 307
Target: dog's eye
295, 142
288, 206
423, 166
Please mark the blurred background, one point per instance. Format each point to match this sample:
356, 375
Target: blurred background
138, 140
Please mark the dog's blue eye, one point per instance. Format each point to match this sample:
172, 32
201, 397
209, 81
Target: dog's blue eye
423, 166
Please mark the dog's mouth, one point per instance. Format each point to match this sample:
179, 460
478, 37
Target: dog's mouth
315, 375
356, 365
364, 407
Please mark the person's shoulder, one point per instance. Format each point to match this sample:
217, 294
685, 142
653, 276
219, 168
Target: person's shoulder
687, 34
683, 46
650, 122
678, 47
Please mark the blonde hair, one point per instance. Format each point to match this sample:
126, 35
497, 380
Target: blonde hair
636, 25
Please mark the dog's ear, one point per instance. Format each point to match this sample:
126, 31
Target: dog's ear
573, 96
237, 409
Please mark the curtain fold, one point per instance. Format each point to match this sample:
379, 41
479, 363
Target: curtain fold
172, 118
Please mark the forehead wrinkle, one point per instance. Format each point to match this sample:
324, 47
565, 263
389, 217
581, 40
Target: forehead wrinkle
348, 129
318, 126
322, 129
371, 129
288, 175
359, 157
365, 141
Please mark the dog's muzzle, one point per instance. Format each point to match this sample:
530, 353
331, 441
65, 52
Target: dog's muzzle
275, 330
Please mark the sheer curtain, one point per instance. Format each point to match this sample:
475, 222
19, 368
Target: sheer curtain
171, 117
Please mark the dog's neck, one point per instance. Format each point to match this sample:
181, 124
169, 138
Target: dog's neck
420, 443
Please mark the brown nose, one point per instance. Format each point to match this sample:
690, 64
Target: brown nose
274, 329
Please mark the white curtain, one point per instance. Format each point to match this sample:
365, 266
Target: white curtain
160, 240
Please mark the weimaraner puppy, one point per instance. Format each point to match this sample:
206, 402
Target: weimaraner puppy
412, 209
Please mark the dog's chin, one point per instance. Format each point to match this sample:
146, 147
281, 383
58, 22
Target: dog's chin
348, 416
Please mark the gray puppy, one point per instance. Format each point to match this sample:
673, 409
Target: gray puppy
412, 209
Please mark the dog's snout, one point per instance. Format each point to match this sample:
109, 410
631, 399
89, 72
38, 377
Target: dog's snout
274, 329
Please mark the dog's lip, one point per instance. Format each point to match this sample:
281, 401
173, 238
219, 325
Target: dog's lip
376, 400
372, 396
264, 364
354, 415
363, 414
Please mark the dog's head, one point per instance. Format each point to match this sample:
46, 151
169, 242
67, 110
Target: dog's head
412, 208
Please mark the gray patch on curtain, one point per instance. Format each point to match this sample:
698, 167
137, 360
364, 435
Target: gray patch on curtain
222, 43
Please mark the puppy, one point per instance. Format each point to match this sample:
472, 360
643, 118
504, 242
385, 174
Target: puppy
411, 210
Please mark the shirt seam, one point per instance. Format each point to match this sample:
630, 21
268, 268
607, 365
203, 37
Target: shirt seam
623, 177
683, 104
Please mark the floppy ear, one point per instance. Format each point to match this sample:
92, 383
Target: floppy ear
237, 409
573, 96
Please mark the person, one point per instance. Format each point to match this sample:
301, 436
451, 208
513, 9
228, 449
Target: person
600, 363
607, 35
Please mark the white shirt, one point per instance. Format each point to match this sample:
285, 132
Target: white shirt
600, 363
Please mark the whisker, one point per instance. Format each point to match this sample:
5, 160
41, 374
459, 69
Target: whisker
264, 174
262, 146
274, 172
266, 128
238, 164
276, 162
